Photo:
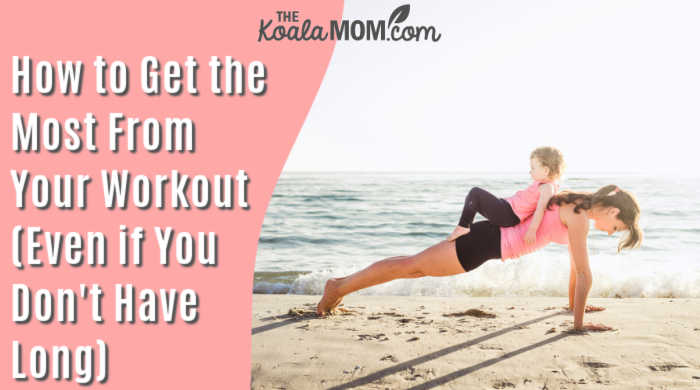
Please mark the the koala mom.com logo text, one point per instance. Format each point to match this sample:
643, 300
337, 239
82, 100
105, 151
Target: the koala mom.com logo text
287, 25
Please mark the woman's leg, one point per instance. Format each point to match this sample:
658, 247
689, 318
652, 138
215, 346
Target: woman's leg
438, 260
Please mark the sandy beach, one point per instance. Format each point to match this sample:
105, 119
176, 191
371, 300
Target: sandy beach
402, 342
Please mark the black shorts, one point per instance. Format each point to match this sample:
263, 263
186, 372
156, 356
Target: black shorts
483, 242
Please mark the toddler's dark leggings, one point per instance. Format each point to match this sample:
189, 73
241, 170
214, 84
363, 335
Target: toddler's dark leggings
496, 210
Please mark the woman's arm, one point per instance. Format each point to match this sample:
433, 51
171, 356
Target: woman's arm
572, 288
546, 193
578, 233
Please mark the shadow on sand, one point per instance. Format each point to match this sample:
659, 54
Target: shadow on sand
445, 351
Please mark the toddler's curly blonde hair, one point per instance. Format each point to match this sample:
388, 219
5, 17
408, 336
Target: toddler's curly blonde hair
551, 158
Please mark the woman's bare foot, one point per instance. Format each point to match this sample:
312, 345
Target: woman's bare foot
459, 231
588, 309
592, 328
330, 298
594, 308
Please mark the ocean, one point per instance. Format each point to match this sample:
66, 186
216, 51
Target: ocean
322, 225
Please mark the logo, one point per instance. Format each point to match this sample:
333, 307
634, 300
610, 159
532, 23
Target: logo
290, 28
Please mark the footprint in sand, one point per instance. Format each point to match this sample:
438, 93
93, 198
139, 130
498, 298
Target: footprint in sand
488, 347
502, 384
575, 332
301, 313
593, 368
412, 373
354, 370
596, 365
666, 366
471, 312
378, 337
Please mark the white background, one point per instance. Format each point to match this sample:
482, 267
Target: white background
614, 84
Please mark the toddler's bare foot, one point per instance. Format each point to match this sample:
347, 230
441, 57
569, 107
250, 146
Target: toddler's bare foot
330, 298
459, 231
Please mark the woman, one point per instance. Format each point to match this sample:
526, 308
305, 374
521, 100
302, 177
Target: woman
565, 221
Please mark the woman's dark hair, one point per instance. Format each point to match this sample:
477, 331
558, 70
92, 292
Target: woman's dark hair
608, 196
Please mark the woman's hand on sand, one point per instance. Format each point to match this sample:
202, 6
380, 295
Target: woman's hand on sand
594, 328
459, 231
587, 310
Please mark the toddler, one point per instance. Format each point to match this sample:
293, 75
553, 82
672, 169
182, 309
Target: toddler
546, 167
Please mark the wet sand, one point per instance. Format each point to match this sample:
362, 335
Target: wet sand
473, 343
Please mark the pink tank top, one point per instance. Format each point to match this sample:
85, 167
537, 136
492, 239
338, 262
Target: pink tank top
524, 202
551, 230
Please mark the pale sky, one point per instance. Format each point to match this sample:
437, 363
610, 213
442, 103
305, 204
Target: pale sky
615, 85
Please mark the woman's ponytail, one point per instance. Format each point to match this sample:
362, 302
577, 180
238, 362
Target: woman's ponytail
607, 196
